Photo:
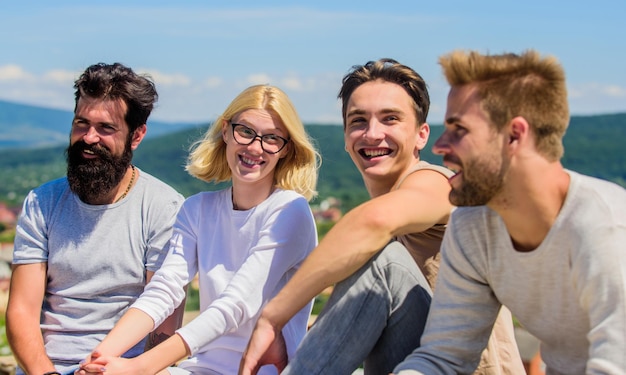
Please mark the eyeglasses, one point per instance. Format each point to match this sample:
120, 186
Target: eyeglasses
270, 143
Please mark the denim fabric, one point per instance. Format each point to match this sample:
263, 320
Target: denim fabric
375, 317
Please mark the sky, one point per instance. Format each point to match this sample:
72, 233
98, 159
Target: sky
201, 54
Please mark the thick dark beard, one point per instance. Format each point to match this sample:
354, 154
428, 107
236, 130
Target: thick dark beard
480, 186
92, 179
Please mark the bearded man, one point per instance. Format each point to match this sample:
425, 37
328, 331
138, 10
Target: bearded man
87, 244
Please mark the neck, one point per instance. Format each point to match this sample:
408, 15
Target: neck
531, 203
247, 197
384, 184
123, 188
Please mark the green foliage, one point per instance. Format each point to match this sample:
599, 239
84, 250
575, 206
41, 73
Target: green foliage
4, 342
319, 302
593, 146
192, 303
6, 236
323, 227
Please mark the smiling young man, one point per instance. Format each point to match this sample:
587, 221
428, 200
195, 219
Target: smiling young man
386, 249
86, 244
546, 242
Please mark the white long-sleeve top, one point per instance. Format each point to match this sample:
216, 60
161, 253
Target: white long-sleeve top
242, 258
570, 292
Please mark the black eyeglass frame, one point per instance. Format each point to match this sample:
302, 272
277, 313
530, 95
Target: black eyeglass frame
260, 137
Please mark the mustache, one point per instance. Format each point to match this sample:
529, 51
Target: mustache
74, 152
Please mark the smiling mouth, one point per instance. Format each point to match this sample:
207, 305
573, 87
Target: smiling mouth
250, 162
370, 153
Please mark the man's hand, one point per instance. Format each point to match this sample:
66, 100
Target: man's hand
266, 347
101, 365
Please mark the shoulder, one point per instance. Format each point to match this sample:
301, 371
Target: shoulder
286, 205
158, 188
424, 165
52, 188
284, 198
207, 198
48, 195
594, 202
424, 174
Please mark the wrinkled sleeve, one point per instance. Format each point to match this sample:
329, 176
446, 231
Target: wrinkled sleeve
285, 238
462, 313
165, 291
31, 238
600, 280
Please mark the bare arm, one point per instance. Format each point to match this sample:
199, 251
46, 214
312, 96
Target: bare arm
419, 203
134, 325
150, 362
28, 283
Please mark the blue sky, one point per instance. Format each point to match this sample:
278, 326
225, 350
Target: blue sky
202, 54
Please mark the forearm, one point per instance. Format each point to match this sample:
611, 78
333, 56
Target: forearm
23, 318
345, 248
128, 331
162, 356
168, 327
27, 345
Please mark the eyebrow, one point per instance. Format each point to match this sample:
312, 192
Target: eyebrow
453, 120
85, 119
384, 111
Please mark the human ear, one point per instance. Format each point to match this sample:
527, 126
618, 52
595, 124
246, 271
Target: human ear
423, 133
137, 137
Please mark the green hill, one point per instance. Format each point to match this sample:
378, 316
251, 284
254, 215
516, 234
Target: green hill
593, 146
23, 125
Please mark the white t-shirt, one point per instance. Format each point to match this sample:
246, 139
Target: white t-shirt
243, 258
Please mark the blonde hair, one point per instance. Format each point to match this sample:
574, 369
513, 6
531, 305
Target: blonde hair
511, 85
297, 170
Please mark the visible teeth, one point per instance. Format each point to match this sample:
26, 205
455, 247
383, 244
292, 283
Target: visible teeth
89, 152
376, 152
249, 161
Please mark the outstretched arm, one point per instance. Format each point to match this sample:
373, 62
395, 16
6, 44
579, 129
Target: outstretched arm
418, 204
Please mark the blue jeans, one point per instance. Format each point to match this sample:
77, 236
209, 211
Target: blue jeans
375, 317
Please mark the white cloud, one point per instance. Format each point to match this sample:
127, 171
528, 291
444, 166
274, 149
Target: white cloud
14, 73
292, 83
59, 76
596, 89
615, 91
164, 79
213, 82
258, 79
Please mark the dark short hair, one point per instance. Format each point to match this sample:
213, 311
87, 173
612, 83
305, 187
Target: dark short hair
388, 70
116, 81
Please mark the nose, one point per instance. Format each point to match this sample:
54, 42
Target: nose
373, 129
441, 145
91, 136
256, 146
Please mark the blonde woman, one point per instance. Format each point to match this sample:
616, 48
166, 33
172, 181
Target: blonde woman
244, 242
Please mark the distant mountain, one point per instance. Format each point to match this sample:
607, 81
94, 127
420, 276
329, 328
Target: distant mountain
593, 146
23, 125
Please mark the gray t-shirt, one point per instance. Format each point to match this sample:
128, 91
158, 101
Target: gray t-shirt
97, 258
